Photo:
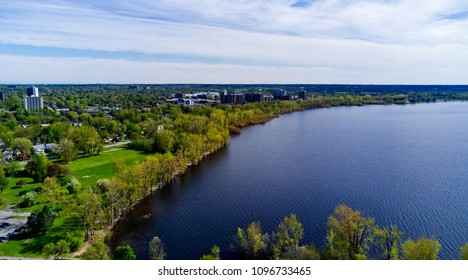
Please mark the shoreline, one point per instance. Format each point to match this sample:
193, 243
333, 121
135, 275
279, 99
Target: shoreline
104, 233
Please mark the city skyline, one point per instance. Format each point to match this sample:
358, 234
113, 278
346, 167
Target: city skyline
283, 41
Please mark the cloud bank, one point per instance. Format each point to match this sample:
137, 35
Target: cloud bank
237, 41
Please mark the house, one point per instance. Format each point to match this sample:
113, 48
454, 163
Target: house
180, 101
39, 149
8, 155
45, 148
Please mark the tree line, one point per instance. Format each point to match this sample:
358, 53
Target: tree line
173, 136
349, 236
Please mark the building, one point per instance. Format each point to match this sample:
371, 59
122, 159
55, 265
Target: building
8, 155
302, 95
33, 100
232, 98
33, 91
45, 148
280, 94
180, 101
257, 97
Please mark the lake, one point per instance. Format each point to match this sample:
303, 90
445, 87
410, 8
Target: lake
401, 164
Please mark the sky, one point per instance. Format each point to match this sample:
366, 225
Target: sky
234, 41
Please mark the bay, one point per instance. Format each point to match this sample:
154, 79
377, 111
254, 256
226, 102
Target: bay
401, 164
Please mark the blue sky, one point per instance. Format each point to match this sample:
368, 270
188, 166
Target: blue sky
234, 41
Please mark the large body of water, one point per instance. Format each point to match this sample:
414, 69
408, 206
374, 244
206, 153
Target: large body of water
403, 165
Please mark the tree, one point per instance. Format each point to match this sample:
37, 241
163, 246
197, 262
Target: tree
53, 192
12, 168
124, 253
28, 200
67, 150
3, 180
24, 145
156, 249
58, 250
40, 221
388, 239
348, 234
252, 242
86, 139
464, 252
423, 249
289, 233
56, 131
164, 141
90, 211
301, 253
37, 167
98, 250
215, 254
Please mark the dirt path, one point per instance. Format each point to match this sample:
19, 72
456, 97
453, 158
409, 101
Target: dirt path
86, 244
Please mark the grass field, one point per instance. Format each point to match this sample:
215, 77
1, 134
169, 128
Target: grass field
10, 195
89, 170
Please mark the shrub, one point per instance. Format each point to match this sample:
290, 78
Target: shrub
21, 193
12, 168
28, 200
21, 182
70, 183
124, 253
55, 170
73, 241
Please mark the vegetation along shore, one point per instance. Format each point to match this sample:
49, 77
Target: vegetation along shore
72, 169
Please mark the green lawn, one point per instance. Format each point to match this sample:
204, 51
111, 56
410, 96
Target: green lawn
31, 247
89, 170
10, 195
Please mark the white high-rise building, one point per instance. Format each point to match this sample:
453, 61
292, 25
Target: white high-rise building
33, 100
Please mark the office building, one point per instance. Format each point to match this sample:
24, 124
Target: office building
33, 100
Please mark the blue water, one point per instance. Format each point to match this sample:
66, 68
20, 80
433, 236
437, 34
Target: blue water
403, 165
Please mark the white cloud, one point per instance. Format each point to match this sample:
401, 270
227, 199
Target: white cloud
35, 70
339, 41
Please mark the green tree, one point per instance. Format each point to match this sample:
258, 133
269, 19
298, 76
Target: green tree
24, 145
67, 150
124, 253
28, 199
464, 252
58, 250
290, 232
156, 249
12, 168
56, 131
89, 208
86, 139
98, 250
423, 249
37, 167
215, 254
164, 141
301, 253
252, 242
348, 234
3, 180
388, 239
40, 222
73, 116
53, 192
